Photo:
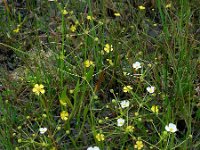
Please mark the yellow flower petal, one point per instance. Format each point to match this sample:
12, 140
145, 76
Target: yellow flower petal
141, 7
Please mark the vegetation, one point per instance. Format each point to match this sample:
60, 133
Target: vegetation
99, 74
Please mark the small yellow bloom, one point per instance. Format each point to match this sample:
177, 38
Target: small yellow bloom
129, 128
63, 102
16, 30
100, 137
127, 88
117, 14
64, 115
90, 18
168, 5
141, 7
154, 109
38, 89
96, 39
139, 145
77, 22
136, 114
73, 28
71, 12
108, 48
64, 12
88, 63
110, 62
155, 24
71, 91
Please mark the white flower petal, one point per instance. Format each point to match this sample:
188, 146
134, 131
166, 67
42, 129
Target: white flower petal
93, 148
167, 128
42, 130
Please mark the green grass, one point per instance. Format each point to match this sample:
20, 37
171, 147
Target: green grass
45, 50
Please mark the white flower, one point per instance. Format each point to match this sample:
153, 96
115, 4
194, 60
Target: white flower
120, 122
124, 103
137, 65
42, 130
93, 148
151, 89
171, 128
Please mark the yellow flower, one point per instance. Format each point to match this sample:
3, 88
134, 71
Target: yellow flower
139, 145
90, 17
136, 114
63, 102
141, 7
16, 30
73, 28
77, 22
96, 39
64, 115
154, 109
108, 48
64, 12
127, 88
88, 63
155, 24
110, 62
117, 14
168, 5
129, 128
38, 89
100, 137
